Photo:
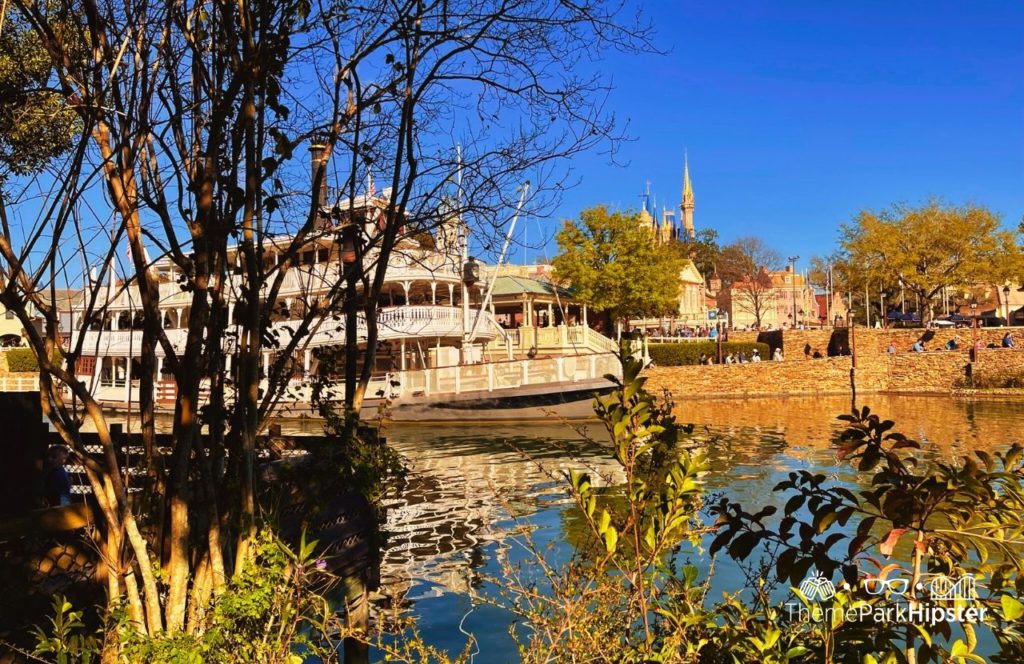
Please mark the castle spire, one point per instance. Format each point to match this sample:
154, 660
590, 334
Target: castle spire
686, 205
646, 216
687, 187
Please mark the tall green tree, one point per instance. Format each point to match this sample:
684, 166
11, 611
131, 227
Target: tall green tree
924, 249
35, 120
615, 266
703, 250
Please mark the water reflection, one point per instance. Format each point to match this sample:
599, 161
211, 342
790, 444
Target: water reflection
462, 491
452, 521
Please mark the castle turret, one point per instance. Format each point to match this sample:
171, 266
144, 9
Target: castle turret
668, 226
686, 206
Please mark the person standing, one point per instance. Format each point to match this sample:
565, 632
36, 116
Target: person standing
57, 482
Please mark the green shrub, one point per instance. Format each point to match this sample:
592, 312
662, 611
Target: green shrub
689, 352
23, 360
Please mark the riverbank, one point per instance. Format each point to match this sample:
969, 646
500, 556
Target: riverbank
876, 372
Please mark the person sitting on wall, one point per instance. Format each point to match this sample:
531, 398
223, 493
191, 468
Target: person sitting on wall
892, 348
729, 359
777, 355
918, 346
1007, 340
755, 356
807, 350
952, 344
817, 354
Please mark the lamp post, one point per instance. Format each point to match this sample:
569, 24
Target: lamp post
470, 275
974, 328
792, 275
853, 362
1006, 305
885, 316
718, 328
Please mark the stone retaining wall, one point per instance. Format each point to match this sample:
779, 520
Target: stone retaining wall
870, 341
936, 372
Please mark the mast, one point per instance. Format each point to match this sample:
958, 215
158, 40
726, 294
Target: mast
508, 238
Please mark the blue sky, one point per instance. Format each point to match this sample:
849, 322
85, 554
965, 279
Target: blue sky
797, 114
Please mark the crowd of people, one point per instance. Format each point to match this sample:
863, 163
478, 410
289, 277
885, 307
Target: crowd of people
920, 345
684, 332
740, 357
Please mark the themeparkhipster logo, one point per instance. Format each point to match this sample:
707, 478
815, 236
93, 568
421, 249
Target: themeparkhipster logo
936, 598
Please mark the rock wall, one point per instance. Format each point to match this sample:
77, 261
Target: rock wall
999, 364
877, 370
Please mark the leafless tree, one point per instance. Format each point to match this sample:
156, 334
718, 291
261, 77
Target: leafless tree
744, 266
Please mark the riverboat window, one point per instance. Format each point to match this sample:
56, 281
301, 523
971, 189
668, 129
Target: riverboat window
322, 255
113, 371
85, 366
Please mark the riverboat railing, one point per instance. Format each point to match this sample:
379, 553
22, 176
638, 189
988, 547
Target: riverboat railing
424, 321
491, 376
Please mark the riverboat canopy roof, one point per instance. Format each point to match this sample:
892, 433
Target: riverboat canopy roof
513, 286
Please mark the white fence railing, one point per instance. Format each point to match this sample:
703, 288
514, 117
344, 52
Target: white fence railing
492, 376
675, 340
425, 321
19, 383
564, 338
486, 377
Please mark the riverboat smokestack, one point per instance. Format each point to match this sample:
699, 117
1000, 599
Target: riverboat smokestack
318, 163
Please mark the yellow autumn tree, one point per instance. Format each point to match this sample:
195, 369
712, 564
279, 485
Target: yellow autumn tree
927, 248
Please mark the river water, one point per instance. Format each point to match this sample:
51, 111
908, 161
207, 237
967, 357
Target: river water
471, 488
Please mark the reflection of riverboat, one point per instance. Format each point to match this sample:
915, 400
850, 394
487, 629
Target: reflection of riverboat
451, 346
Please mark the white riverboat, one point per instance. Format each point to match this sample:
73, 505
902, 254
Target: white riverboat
502, 348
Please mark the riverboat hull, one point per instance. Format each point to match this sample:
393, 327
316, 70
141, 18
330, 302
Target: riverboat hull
533, 403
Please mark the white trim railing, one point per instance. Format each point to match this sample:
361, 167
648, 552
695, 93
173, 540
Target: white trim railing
422, 321
490, 376
19, 383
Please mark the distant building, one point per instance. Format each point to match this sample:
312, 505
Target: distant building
538, 271
696, 298
687, 205
830, 310
11, 330
995, 304
667, 229
782, 297
693, 308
